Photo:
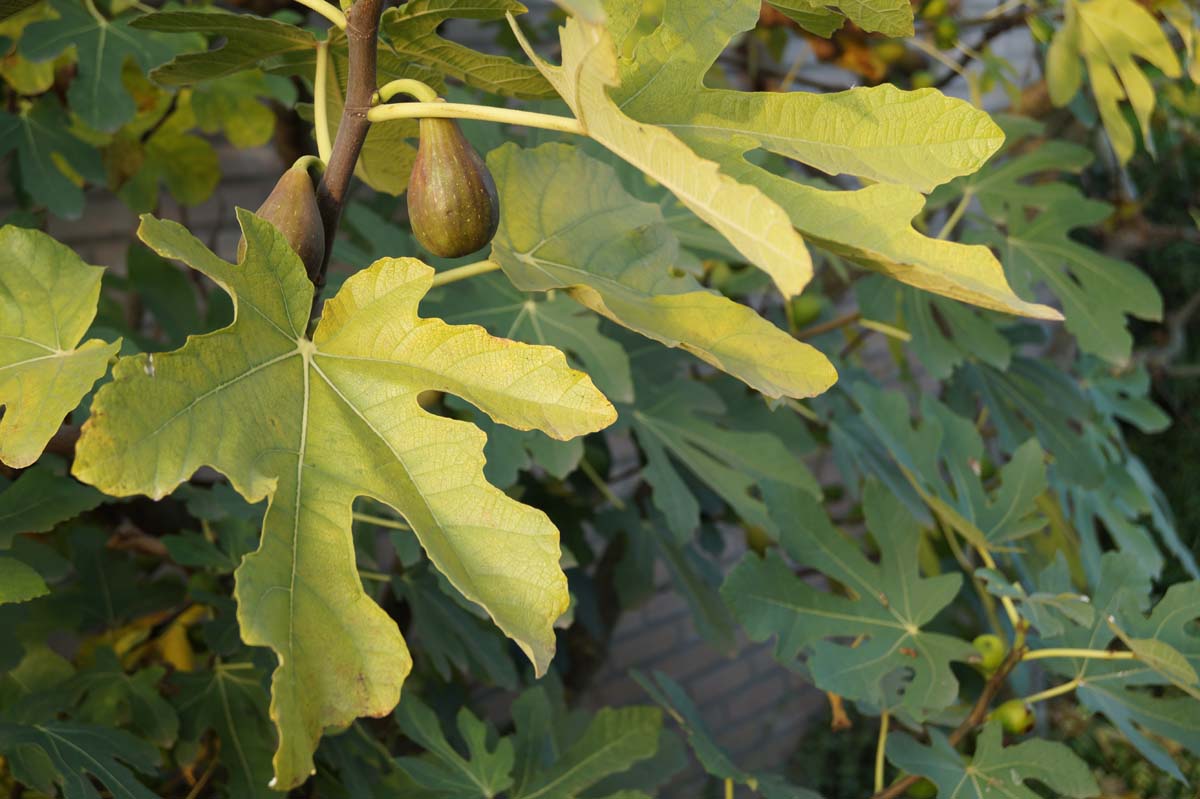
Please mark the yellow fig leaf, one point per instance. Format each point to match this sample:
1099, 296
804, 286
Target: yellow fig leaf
751, 221
654, 111
313, 424
48, 298
569, 224
1110, 36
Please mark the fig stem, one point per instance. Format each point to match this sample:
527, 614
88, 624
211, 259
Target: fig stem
308, 163
1092, 654
510, 116
880, 749
321, 102
327, 10
1050, 693
464, 272
416, 89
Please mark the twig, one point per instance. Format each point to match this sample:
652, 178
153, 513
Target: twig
362, 34
880, 749
832, 324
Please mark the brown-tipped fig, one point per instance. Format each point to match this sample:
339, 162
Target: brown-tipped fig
452, 201
292, 207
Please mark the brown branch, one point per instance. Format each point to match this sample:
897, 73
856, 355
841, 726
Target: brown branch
362, 35
977, 716
832, 324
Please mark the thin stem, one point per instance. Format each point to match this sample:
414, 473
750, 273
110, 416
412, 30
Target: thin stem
416, 89
198, 788
91, 7
486, 113
1090, 654
728, 788
381, 521
308, 163
321, 102
590, 472
956, 214
327, 10
1050, 693
1014, 618
832, 324
463, 272
362, 36
986, 599
880, 750
377, 577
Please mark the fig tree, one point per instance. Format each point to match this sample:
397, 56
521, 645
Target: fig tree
292, 208
452, 202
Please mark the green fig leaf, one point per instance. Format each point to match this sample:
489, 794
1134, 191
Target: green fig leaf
96, 94
889, 606
48, 298
61, 755
39, 134
412, 31
995, 771
313, 424
893, 18
248, 42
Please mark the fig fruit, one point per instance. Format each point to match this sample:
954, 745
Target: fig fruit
452, 202
292, 208
991, 653
1015, 716
923, 789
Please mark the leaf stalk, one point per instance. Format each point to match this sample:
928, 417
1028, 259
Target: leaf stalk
485, 113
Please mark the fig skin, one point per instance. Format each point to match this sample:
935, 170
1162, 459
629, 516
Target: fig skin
1015, 716
292, 208
992, 652
452, 201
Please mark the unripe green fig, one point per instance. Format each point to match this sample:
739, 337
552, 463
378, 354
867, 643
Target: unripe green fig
1015, 716
292, 207
923, 789
805, 309
991, 651
452, 202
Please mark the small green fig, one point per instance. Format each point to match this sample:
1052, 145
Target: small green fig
1016, 716
292, 207
452, 202
991, 651
805, 309
923, 789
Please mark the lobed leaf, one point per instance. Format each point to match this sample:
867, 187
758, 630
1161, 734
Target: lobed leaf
888, 607
97, 93
660, 117
412, 32
248, 42
48, 298
994, 771
893, 18
313, 424
567, 223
